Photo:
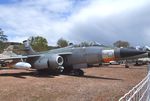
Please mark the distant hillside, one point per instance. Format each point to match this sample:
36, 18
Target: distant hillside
4, 45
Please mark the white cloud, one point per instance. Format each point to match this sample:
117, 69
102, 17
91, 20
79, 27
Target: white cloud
107, 22
26, 19
97, 20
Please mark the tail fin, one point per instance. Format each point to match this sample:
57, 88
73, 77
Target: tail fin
28, 48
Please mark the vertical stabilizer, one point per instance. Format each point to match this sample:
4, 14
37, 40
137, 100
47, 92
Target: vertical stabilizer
28, 48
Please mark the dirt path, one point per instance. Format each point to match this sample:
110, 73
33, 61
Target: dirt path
107, 83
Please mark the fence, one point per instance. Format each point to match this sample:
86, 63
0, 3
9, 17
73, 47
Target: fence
141, 92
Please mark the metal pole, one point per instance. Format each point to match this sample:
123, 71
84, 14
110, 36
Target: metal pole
148, 73
148, 68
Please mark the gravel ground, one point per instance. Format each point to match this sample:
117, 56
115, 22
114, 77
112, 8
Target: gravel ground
107, 83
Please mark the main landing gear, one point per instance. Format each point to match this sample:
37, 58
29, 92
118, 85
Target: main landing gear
73, 72
77, 72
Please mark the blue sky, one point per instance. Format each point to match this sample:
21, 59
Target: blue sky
6, 1
104, 21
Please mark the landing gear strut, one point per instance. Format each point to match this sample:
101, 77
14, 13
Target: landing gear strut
126, 64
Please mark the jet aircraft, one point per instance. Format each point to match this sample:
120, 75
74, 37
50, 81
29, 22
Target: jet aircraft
70, 60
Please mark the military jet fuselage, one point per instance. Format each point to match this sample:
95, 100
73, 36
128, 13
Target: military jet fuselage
72, 59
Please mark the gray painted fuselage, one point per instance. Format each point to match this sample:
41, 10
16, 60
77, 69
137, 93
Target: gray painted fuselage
79, 57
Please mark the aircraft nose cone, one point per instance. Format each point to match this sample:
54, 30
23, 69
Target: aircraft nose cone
125, 52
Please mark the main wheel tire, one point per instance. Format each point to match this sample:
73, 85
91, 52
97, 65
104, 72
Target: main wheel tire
126, 66
77, 72
3, 65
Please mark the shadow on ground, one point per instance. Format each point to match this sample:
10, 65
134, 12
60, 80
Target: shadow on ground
23, 74
35, 74
95, 77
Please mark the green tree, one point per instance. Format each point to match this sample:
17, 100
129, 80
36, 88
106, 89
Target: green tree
62, 42
2, 46
121, 43
84, 44
39, 43
3, 38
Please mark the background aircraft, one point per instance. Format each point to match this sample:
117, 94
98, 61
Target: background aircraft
70, 60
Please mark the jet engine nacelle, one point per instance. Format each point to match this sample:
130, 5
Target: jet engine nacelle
22, 65
52, 62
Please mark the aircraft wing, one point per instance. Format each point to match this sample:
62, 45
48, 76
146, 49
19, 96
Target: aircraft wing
19, 57
32, 56
65, 53
14, 58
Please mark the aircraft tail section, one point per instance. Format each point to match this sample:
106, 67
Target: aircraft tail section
28, 48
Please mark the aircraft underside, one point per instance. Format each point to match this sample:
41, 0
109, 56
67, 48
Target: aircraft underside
67, 71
